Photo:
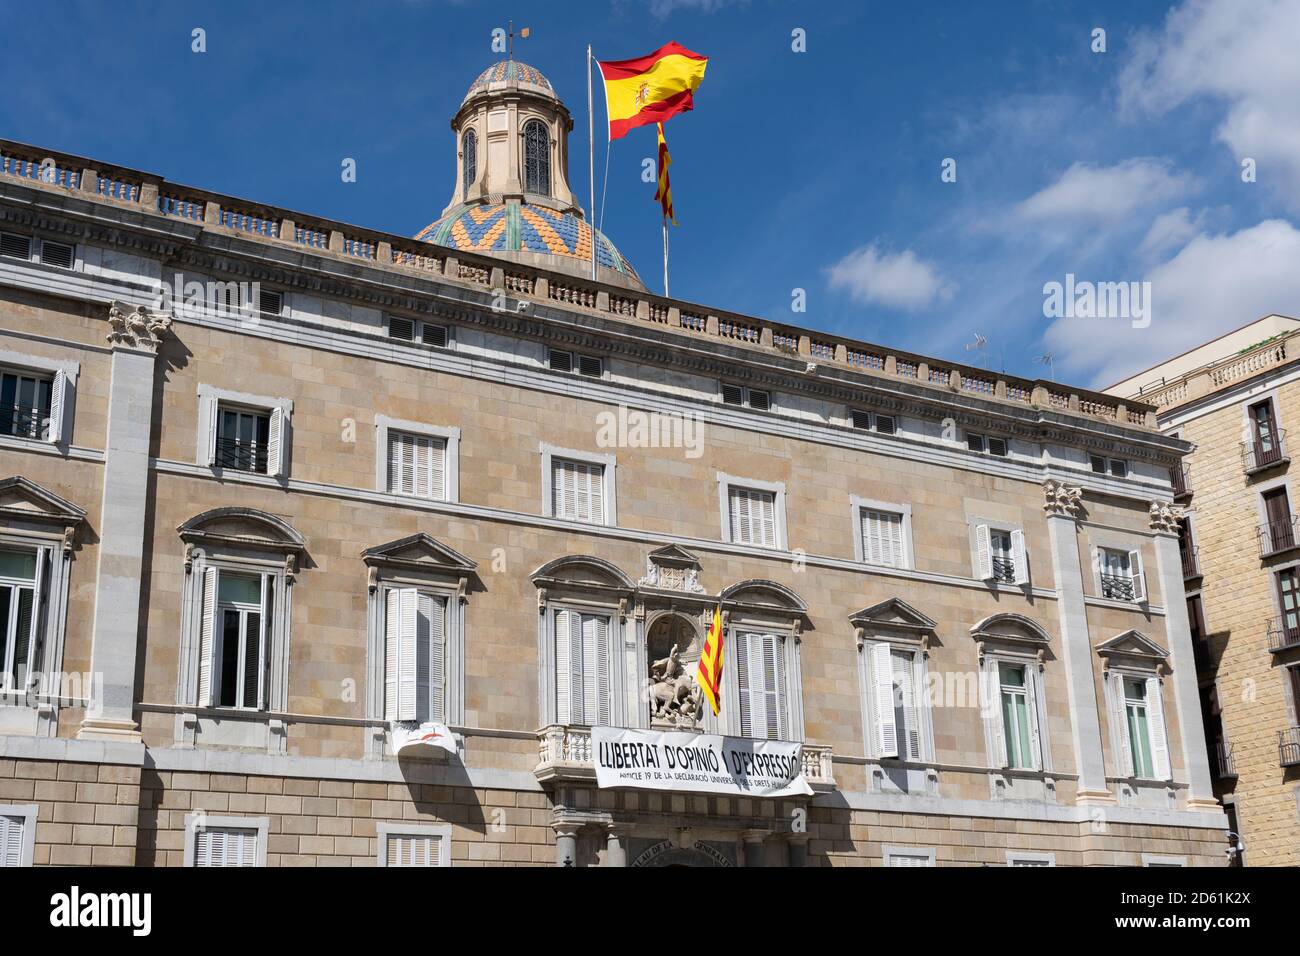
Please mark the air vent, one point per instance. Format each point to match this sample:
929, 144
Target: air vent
885, 424
270, 303
399, 328
590, 365
559, 361
434, 335
860, 418
998, 446
733, 394
19, 247
57, 254
759, 400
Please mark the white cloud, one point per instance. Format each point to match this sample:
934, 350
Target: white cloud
1214, 284
1104, 193
897, 280
1242, 54
1169, 231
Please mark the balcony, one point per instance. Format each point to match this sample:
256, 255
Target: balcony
1277, 536
1283, 635
1288, 747
564, 753
1257, 456
1180, 478
1118, 587
1223, 765
1191, 562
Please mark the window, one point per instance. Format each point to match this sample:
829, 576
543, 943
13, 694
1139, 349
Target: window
20, 583
468, 161
1120, 575
15, 246
985, 443
761, 677
225, 841
1265, 447
1278, 532
1150, 859
1000, 555
1019, 726
17, 834
753, 516
537, 158
27, 404
577, 491
240, 432
1138, 713
417, 330
908, 856
745, 396
1022, 858
873, 421
417, 465
1115, 467
591, 366
51, 253
233, 638
884, 537
403, 844
415, 638
895, 686
582, 666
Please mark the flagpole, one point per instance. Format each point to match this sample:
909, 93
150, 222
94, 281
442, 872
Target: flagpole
591, 163
665, 257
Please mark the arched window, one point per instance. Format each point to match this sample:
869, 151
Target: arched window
469, 159
537, 158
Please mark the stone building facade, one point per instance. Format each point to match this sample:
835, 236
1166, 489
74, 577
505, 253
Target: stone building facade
332, 478
1233, 399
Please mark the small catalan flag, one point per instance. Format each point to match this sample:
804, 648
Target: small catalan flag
665, 191
708, 673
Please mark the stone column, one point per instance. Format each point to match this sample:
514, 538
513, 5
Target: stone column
754, 847
135, 337
1062, 507
615, 844
1178, 632
798, 849
566, 844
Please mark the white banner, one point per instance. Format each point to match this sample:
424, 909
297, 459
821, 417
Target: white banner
697, 763
408, 738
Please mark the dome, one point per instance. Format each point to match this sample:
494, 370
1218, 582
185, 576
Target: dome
509, 72
538, 234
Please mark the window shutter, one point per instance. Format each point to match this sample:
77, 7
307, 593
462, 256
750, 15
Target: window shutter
214, 847
213, 408
1159, 736
207, 631
392, 629
54, 434
255, 649
563, 667
1139, 578
1018, 557
773, 691
595, 653
437, 469
395, 461
983, 553
882, 677
909, 747
275, 444
744, 681
11, 840
422, 647
740, 528
437, 644
767, 515
407, 677
1119, 713
563, 489
993, 714
412, 850
422, 460
1031, 709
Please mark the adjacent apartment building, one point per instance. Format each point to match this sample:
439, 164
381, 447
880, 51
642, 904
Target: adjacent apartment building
1233, 399
270, 483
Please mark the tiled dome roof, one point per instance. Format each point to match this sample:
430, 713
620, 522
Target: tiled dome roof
525, 227
505, 72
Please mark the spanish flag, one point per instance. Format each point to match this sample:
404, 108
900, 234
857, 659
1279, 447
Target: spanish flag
650, 89
665, 191
708, 673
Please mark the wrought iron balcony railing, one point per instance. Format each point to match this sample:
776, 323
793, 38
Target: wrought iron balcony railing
1223, 760
1288, 747
241, 456
1277, 536
1284, 633
1181, 479
21, 422
1258, 454
1004, 570
1191, 562
1117, 586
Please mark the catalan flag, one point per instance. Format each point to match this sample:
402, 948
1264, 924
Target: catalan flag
650, 89
708, 673
665, 191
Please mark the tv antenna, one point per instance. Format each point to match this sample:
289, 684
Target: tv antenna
1047, 358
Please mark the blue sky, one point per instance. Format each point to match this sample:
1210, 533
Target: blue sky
817, 170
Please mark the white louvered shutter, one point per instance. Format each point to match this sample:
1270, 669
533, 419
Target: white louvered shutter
983, 553
1119, 713
1020, 561
401, 678
993, 713
392, 627
11, 840
908, 859
225, 847
882, 538
1139, 577
766, 519
596, 676
207, 634
744, 680
401, 465
1031, 714
563, 489
433, 641
57, 392
1159, 736
883, 700
740, 527
774, 685
214, 408
437, 455
761, 676
275, 444
412, 850
570, 692
909, 746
